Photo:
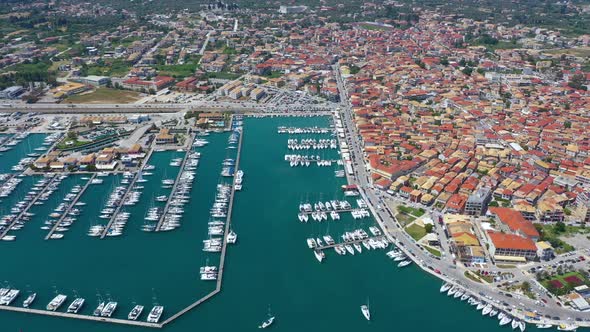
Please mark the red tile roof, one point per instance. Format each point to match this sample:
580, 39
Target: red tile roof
511, 241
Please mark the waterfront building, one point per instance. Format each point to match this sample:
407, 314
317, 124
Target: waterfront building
511, 247
512, 221
165, 137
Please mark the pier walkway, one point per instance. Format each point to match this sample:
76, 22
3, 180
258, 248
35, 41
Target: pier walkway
128, 190
118, 209
170, 197
77, 316
223, 248
26, 209
67, 211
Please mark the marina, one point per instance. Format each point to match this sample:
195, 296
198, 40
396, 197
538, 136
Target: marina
71, 206
249, 270
173, 191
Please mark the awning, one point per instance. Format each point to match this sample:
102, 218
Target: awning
510, 258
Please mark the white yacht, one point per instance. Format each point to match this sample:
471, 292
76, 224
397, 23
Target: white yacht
155, 314
56, 302
319, 255
135, 312
232, 237
366, 312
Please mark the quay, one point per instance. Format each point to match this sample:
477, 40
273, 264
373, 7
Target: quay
170, 197
223, 248
73, 203
26, 209
76, 316
328, 246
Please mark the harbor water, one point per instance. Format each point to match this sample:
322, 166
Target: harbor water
269, 268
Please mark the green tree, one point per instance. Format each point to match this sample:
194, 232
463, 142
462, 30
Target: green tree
559, 227
428, 228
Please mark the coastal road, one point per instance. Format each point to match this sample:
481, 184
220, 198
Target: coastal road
446, 269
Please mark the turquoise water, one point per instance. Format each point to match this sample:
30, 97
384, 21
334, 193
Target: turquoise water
269, 266
19, 151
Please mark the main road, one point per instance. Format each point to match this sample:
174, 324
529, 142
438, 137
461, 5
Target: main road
203, 105
445, 268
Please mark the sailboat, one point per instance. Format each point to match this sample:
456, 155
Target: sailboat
267, 322
365, 310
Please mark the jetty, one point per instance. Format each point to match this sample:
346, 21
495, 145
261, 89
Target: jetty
26, 209
127, 191
223, 248
67, 211
174, 187
77, 316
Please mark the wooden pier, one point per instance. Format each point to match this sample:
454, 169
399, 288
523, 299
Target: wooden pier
170, 197
67, 211
26, 209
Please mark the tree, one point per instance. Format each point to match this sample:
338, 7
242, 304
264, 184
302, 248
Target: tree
72, 135
567, 124
428, 228
526, 286
559, 227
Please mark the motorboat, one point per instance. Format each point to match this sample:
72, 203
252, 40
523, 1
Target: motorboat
29, 300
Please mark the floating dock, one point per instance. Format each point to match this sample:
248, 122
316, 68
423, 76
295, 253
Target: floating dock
73, 203
26, 209
171, 196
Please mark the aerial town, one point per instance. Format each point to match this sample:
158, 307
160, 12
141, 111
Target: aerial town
466, 141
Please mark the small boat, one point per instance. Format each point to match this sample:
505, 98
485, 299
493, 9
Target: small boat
99, 309
567, 327
319, 255
544, 326
445, 287
366, 312
404, 263
29, 300
505, 320
232, 237
267, 322
514, 324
